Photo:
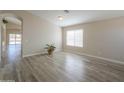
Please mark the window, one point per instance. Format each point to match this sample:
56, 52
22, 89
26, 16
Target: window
14, 38
74, 38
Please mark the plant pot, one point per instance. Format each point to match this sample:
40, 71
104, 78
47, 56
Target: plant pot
50, 52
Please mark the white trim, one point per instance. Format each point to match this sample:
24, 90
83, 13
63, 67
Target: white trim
102, 58
33, 54
38, 53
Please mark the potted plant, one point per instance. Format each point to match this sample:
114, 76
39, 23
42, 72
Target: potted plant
50, 48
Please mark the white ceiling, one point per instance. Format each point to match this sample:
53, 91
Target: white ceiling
76, 16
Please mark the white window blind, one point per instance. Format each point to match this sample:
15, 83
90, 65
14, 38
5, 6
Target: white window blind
74, 38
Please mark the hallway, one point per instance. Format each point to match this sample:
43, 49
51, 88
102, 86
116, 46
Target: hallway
12, 54
7, 67
14, 51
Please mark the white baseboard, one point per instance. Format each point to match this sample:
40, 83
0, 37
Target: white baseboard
38, 53
33, 54
102, 58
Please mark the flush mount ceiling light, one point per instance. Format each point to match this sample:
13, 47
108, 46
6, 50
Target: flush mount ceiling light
60, 18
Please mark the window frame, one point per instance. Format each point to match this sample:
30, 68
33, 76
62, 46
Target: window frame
74, 38
15, 39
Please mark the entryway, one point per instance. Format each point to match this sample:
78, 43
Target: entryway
11, 40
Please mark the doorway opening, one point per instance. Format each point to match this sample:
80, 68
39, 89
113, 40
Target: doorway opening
11, 37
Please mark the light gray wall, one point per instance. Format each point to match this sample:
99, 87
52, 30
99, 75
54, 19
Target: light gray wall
0, 39
102, 38
3, 40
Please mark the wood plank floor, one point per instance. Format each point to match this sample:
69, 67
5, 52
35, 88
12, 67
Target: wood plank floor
61, 67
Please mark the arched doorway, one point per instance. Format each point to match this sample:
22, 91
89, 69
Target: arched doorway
11, 39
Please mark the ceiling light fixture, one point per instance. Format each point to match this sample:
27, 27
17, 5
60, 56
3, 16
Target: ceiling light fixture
60, 18
66, 11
